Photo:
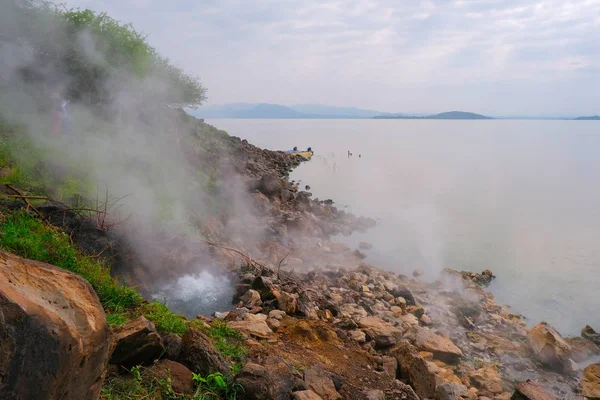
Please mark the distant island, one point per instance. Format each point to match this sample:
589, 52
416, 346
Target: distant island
592, 118
444, 115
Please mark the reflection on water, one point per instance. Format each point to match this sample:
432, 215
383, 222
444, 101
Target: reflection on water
518, 197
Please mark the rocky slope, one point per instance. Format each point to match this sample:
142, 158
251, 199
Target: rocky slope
317, 322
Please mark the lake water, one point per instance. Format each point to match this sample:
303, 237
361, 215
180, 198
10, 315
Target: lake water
521, 198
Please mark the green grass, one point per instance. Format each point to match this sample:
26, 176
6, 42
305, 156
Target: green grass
28, 237
141, 383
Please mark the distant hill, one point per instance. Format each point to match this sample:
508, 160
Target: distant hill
265, 110
444, 115
592, 118
338, 112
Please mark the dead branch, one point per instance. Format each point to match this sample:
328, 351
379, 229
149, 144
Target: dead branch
282, 263
249, 260
108, 246
29, 205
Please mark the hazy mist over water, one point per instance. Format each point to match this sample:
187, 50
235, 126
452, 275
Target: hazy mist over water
521, 198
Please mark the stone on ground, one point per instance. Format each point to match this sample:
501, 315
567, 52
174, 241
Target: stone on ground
441, 346
306, 395
383, 333
549, 346
530, 390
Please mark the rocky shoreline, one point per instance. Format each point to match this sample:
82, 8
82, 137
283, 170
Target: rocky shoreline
316, 320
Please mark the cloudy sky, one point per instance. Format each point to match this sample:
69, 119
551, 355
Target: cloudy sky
497, 57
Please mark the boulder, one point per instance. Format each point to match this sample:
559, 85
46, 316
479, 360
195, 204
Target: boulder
442, 347
54, 339
400, 391
358, 336
530, 390
413, 368
487, 380
319, 382
258, 329
590, 381
449, 391
550, 348
274, 381
287, 302
306, 395
172, 344
135, 343
200, 355
251, 298
383, 333
277, 314
590, 334
181, 377
270, 184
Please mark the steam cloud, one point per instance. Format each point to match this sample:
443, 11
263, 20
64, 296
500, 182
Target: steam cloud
133, 148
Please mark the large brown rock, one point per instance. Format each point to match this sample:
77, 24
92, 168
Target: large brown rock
590, 381
442, 347
530, 390
319, 382
306, 395
274, 381
200, 355
487, 379
413, 368
286, 301
181, 377
259, 329
54, 339
383, 333
135, 343
549, 346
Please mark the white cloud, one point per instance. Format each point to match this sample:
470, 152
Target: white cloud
370, 53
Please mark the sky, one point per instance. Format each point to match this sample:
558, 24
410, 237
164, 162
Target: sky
495, 57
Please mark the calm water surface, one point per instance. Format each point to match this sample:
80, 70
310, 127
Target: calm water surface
521, 198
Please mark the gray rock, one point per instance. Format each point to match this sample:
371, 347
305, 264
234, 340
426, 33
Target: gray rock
449, 391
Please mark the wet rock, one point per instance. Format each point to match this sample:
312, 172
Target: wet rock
487, 379
306, 395
251, 298
383, 333
590, 334
180, 375
550, 347
442, 347
54, 339
590, 381
172, 344
135, 343
319, 382
413, 368
200, 355
258, 329
530, 390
